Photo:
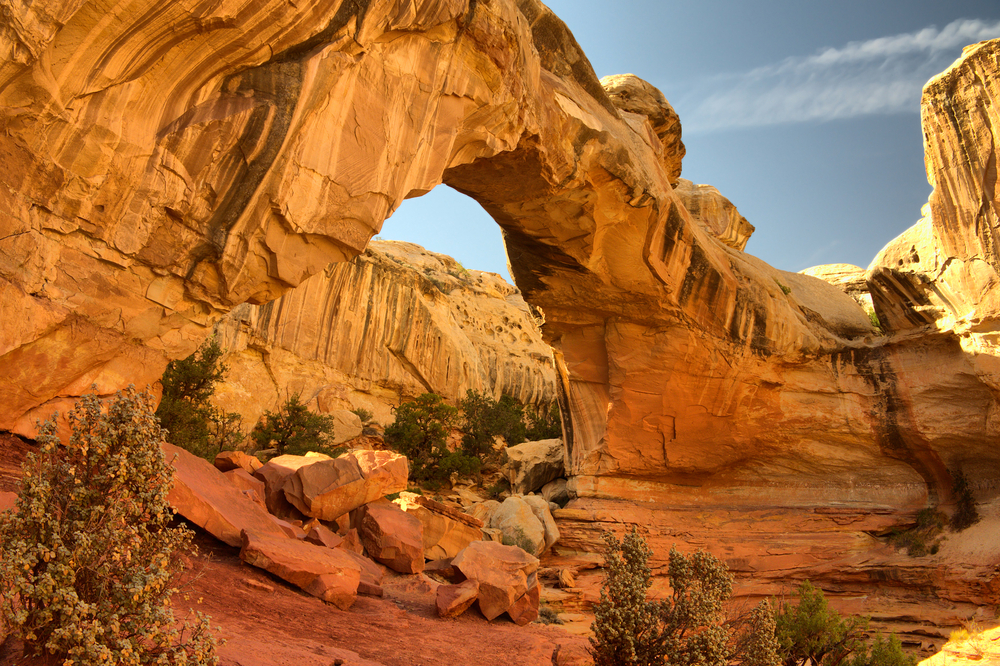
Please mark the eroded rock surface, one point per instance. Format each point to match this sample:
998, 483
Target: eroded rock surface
393, 323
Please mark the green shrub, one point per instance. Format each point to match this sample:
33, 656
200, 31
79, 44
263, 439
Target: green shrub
810, 632
185, 411
966, 514
293, 429
883, 652
686, 628
484, 418
756, 644
519, 539
420, 432
362, 414
543, 423
87, 557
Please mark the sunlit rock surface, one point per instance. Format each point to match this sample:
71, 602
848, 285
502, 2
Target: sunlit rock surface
393, 323
165, 163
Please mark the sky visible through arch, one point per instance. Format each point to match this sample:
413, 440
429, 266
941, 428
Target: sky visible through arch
804, 114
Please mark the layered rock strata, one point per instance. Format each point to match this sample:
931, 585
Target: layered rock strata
393, 323
166, 163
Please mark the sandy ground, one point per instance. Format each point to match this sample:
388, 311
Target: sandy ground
266, 622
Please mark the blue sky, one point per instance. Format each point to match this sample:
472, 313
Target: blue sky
804, 114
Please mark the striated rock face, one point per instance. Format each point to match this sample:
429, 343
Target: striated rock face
161, 168
715, 213
393, 323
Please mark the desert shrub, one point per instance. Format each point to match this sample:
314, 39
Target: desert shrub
496, 490
811, 632
484, 418
547, 615
966, 514
420, 432
883, 652
542, 422
685, 629
293, 429
87, 557
920, 539
363, 414
756, 644
185, 411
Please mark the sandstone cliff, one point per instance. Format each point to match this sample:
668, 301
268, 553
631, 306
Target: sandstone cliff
393, 323
166, 163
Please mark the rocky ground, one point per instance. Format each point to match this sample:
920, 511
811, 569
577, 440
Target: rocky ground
266, 622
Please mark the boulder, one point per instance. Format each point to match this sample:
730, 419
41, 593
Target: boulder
533, 464
321, 535
453, 600
393, 537
541, 509
502, 573
246, 483
327, 573
519, 524
525, 609
229, 460
483, 510
346, 426
327, 489
275, 473
203, 495
446, 531
556, 491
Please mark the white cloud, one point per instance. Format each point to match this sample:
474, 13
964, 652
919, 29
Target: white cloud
878, 76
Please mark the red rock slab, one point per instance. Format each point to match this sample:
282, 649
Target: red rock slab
203, 495
327, 573
244, 481
453, 600
525, 609
275, 473
290, 529
393, 537
502, 572
352, 542
321, 535
446, 531
230, 460
327, 489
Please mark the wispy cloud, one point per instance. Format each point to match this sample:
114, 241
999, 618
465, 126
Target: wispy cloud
878, 76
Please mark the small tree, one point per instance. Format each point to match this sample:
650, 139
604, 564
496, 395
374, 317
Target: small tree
811, 632
87, 557
757, 645
543, 423
420, 432
293, 429
191, 421
685, 629
485, 418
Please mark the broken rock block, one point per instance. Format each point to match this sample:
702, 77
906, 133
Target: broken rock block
248, 484
327, 573
446, 531
328, 489
504, 574
230, 460
321, 535
393, 537
275, 473
453, 600
525, 609
203, 495
540, 507
520, 526
533, 464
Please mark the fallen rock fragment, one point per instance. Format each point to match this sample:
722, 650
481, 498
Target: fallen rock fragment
203, 495
446, 531
230, 460
543, 513
519, 524
525, 609
321, 535
393, 537
533, 464
502, 573
453, 600
246, 483
327, 573
275, 473
328, 489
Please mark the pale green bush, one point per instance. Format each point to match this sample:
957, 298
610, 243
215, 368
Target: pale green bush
87, 557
